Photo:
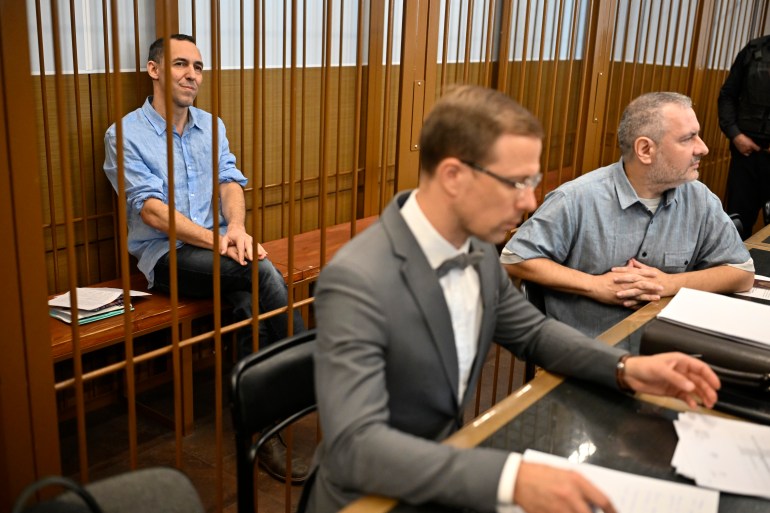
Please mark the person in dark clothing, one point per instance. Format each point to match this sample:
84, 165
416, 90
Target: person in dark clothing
744, 117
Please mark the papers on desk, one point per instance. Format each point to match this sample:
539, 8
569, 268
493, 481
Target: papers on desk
94, 304
631, 493
723, 454
760, 290
735, 318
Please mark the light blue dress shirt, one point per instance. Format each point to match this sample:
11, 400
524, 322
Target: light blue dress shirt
146, 175
597, 222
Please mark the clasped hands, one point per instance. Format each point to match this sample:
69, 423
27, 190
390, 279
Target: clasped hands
632, 285
239, 245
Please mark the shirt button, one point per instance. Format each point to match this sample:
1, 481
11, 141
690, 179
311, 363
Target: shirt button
644, 254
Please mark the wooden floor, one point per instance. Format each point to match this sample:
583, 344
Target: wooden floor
107, 433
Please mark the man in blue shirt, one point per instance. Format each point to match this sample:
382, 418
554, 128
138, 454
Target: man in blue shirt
635, 231
147, 194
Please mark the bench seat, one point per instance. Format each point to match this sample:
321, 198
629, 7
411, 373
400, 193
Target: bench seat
153, 313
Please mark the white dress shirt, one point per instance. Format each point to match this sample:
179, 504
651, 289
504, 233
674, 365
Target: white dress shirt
462, 292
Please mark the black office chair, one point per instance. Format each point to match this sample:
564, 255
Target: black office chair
270, 389
738, 223
534, 294
766, 213
160, 490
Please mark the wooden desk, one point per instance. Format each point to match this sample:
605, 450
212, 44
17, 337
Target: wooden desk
565, 417
762, 237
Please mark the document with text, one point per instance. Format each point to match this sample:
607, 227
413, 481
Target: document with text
631, 493
723, 454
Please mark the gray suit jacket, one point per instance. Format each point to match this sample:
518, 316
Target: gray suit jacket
387, 378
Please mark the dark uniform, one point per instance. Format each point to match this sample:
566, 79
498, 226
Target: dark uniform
744, 108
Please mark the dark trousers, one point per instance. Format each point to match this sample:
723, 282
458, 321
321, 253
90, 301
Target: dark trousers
195, 279
748, 186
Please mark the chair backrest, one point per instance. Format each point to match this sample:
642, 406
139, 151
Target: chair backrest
158, 489
766, 213
269, 390
534, 294
737, 222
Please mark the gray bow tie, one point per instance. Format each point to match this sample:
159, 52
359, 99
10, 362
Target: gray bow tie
460, 261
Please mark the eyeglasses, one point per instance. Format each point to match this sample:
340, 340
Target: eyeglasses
529, 182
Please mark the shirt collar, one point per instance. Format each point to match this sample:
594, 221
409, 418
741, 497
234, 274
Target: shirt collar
436, 248
627, 195
157, 121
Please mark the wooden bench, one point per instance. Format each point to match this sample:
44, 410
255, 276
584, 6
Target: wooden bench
153, 313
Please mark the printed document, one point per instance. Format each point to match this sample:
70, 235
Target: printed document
631, 493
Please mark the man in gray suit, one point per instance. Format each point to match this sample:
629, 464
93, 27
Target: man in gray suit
402, 336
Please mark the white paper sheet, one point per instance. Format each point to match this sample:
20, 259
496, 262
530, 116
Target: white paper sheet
713, 313
724, 454
92, 298
631, 493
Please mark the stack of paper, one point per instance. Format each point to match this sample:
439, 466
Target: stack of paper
735, 318
728, 455
94, 304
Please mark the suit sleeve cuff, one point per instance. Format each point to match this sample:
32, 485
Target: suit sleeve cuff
507, 484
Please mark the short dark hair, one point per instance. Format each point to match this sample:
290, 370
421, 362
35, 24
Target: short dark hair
643, 118
467, 121
156, 48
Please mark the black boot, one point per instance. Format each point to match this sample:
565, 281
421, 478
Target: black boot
272, 458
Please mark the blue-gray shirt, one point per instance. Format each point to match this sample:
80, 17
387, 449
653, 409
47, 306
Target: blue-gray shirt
597, 222
145, 164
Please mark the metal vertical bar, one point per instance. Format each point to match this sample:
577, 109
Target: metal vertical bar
337, 203
541, 50
47, 143
242, 86
357, 119
292, 180
677, 44
445, 45
666, 55
323, 168
174, 288
523, 74
621, 98
61, 118
505, 44
386, 110
644, 52
282, 129
216, 103
657, 41
637, 44
488, 46
256, 134
373, 109
138, 75
565, 117
79, 129
552, 97
263, 128
303, 119
459, 31
128, 338
468, 41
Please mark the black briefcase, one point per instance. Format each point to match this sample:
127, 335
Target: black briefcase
743, 369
